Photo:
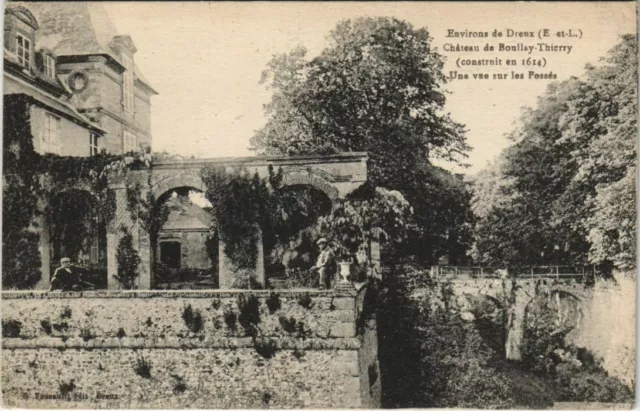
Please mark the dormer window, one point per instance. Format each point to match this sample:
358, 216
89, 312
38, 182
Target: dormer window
23, 51
49, 66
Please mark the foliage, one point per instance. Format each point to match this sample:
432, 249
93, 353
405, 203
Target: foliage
179, 385
30, 178
273, 302
127, 259
376, 88
121, 333
11, 328
192, 319
20, 254
147, 210
429, 356
66, 388
305, 301
192, 276
46, 326
249, 317
366, 217
265, 347
576, 373
230, 318
564, 191
241, 207
142, 368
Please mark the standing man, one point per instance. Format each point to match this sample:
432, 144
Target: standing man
65, 277
325, 264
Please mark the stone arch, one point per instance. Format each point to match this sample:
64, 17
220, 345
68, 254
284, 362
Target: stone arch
173, 181
92, 252
311, 178
490, 320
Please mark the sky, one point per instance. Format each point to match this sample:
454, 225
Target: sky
205, 60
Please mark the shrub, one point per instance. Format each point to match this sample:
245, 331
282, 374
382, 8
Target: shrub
215, 303
178, 384
66, 388
46, 326
121, 334
142, 368
266, 348
11, 328
127, 259
87, 334
66, 312
61, 327
230, 318
288, 324
192, 319
305, 301
249, 316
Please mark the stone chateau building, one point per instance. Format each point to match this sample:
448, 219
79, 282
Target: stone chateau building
86, 94
78, 78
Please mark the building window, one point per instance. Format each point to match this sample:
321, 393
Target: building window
49, 66
23, 50
127, 84
51, 135
129, 142
171, 253
94, 144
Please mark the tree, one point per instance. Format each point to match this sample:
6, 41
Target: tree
563, 191
377, 88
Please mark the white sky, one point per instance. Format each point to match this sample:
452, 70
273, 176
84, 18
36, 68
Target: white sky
205, 60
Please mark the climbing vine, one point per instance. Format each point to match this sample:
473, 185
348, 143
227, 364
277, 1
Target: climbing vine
30, 179
246, 207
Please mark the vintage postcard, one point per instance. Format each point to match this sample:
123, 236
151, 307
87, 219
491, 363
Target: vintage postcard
319, 205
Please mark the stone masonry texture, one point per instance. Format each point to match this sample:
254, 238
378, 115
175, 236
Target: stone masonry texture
135, 350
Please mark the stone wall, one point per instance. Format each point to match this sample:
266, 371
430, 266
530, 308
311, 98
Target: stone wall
606, 323
136, 350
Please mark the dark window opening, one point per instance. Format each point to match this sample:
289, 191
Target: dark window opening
170, 253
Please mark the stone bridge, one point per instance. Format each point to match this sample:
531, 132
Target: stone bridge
514, 296
335, 175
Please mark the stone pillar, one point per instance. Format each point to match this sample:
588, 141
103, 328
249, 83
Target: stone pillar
146, 278
45, 253
225, 272
515, 329
259, 274
112, 264
122, 218
375, 258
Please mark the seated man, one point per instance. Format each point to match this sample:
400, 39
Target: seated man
66, 277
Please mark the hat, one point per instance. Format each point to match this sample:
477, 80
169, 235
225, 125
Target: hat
321, 241
65, 260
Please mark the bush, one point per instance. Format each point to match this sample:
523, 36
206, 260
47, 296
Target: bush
429, 356
11, 328
142, 368
266, 348
249, 316
128, 260
230, 318
192, 319
273, 303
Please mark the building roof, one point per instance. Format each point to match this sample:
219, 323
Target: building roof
39, 96
75, 28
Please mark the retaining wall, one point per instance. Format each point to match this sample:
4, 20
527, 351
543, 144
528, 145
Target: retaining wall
136, 350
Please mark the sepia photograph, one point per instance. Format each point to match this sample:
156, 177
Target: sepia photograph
319, 205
